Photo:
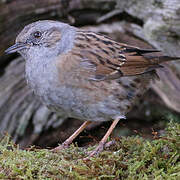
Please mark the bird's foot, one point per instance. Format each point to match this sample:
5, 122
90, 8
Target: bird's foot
60, 147
99, 149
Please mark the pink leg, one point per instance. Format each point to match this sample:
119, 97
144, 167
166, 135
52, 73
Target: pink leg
68, 141
102, 143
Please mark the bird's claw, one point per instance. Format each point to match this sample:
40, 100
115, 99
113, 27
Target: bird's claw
60, 147
99, 149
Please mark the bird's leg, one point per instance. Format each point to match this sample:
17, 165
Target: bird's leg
102, 143
68, 141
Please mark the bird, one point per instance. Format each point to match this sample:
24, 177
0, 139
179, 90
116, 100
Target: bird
83, 74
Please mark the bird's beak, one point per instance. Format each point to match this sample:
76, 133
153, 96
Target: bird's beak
16, 47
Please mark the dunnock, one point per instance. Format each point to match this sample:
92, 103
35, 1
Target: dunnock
84, 75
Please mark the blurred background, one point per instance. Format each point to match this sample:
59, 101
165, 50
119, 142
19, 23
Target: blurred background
143, 23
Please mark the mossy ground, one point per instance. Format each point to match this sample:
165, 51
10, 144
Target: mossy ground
130, 158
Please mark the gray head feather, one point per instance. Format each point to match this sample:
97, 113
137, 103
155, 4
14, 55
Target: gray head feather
57, 38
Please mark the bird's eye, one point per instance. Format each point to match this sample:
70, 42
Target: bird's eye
37, 34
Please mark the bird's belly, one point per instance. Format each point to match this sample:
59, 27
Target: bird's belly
78, 103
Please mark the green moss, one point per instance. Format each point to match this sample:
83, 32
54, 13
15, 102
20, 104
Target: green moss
130, 158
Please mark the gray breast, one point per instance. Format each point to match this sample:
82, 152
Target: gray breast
42, 78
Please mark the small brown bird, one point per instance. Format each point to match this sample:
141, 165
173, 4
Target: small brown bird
84, 75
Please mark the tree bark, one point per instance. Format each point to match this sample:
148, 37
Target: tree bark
143, 23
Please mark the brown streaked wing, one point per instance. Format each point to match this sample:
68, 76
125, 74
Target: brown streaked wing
110, 59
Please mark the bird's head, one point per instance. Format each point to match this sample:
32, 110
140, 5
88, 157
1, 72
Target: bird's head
46, 38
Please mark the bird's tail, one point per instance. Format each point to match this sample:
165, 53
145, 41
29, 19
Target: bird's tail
140, 61
161, 59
